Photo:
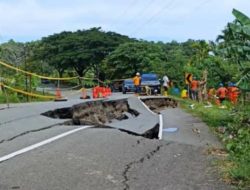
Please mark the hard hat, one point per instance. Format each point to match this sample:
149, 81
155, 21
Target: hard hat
137, 73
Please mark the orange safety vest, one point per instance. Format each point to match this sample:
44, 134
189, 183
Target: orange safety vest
194, 85
137, 80
230, 93
222, 92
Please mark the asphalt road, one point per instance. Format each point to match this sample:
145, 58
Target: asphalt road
103, 158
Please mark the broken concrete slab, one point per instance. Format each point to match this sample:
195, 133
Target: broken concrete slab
141, 124
128, 115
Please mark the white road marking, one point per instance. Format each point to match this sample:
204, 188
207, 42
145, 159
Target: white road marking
160, 119
32, 147
160, 126
146, 106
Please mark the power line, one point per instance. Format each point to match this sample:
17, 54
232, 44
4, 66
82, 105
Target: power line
195, 7
141, 12
129, 7
167, 6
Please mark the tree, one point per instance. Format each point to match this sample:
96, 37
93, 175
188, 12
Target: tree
234, 45
133, 57
12, 52
80, 50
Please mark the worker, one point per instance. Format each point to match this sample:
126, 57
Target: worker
235, 93
230, 92
165, 85
211, 94
194, 89
184, 93
137, 83
221, 93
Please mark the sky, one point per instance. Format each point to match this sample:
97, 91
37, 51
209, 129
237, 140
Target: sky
152, 20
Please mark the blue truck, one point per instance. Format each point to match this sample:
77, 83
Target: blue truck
151, 80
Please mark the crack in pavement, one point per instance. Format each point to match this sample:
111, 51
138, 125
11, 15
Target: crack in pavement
148, 156
30, 131
26, 117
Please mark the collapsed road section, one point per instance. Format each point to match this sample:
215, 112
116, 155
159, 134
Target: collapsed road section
128, 115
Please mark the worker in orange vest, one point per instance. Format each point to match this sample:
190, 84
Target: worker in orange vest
230, 92
221, 93
235, 93
194, 89
137, 83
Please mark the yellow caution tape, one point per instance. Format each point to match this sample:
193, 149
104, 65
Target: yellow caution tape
27, 93
36, 75
53, 78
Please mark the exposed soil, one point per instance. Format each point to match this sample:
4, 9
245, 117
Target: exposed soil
158, 104
101, 113
98, 113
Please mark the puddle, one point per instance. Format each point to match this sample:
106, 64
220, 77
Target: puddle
170, 130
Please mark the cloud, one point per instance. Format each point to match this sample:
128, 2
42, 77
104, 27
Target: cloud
149, 19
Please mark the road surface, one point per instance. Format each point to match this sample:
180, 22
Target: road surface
102, 158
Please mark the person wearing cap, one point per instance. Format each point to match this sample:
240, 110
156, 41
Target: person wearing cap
221, 93
137, 82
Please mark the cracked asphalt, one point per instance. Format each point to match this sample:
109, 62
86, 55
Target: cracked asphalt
105, 158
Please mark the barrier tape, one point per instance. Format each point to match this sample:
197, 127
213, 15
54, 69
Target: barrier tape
27, 93
40, 76
54, 78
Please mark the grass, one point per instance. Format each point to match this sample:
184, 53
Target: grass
232, 125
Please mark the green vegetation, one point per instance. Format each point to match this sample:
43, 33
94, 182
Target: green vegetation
95, 53
232, 125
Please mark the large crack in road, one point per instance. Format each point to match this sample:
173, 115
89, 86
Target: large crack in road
102, 113
141, 160
98, 113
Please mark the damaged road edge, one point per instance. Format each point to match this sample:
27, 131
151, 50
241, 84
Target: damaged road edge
101, 113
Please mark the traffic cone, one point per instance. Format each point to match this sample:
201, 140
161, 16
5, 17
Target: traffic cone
59, 96
107, 91
100, 92
94, 92
104, 92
